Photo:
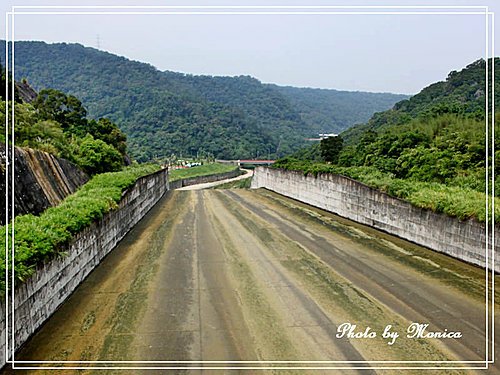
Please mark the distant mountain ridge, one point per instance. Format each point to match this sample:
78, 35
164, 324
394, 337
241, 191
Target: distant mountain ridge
331, 111
166, 113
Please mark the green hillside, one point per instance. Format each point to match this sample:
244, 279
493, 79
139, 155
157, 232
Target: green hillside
332, 111
165, 112
461, 94
429, 149
437, 135
57, 123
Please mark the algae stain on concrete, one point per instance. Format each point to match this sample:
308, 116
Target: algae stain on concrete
131, 304
259, 230
88, 322
332, 291
269, 333
455, 273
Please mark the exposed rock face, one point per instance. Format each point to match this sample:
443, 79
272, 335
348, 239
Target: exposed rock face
41, 180
26, 92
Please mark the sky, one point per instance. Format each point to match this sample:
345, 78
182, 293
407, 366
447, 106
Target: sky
397, 53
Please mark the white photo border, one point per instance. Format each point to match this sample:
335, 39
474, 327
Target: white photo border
255, 10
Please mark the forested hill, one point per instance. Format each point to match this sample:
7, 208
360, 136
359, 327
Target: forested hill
332, 111
313, 110
432, 149
166, 113
461, 94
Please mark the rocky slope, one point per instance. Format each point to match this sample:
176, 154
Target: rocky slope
41, 180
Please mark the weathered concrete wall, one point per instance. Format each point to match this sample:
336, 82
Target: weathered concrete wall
53, 282
204, 179
41, 180
351, 199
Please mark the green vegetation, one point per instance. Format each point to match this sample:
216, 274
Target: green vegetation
330, 148
462, 95
238, 184
202, 170
429, 150
41, 238
332, 111
436, 136
448, 149
57, 123
310, 153
166, 113
3, 86
461, 202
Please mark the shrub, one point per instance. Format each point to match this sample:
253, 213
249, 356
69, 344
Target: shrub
41, 238
457, 201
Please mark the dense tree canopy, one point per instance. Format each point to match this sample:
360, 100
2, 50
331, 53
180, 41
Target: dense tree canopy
437, 136
330, 148
461, 94
67, 110
165, 113
3, 86
57, 123
96, 156
332, 111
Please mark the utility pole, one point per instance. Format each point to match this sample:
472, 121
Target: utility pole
98, 42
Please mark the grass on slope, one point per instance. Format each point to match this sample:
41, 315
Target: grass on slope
460, 202
238, 184
201, 170
41, 238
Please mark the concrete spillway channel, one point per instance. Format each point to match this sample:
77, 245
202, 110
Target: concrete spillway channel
238, 275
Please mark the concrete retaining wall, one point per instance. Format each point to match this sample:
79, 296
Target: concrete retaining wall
52, 283
204, 179
351, 199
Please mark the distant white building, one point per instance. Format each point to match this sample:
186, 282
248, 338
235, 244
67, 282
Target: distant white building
327, 135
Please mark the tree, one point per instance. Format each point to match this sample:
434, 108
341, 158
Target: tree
330, 148
65, 109
107, 131
96, 156
3, 84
